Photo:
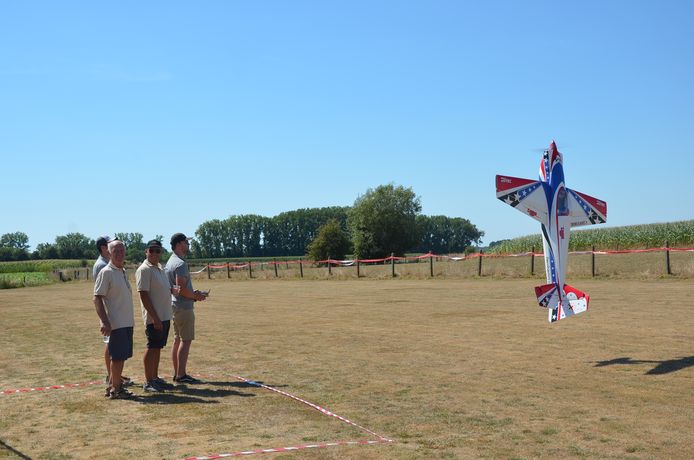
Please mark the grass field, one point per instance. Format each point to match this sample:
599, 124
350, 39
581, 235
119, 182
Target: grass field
447, 368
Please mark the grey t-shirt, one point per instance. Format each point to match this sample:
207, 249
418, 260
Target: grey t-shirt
177, 266
100, 263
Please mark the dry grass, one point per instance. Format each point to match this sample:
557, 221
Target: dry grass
449, 368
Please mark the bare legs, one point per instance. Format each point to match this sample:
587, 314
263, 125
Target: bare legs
151, 361
179, 356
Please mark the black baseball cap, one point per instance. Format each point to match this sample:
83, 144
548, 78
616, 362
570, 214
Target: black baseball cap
153, 244
102, 241
177, 238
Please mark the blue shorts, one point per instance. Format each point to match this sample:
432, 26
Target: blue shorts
120, 345
155, 338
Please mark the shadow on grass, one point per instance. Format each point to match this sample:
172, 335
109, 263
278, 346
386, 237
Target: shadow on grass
662, 367
13, 450
210, 392
171, 398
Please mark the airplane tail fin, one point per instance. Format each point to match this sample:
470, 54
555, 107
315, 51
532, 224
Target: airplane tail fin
572, 302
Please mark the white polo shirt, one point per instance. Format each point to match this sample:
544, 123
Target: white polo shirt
112, 284
153, 279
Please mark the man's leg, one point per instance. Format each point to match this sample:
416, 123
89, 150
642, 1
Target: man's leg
151, 360
174, 355
156, 356
116, 371
107, 361
183, 352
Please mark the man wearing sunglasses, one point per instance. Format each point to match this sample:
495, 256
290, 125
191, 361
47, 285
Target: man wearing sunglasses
155, 291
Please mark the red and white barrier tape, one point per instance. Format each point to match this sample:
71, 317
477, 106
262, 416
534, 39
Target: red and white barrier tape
51, 387
349, 263
380, 440
321, 445
310, 404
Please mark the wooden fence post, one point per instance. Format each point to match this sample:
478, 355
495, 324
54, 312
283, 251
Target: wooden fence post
250, 269
228, 270
479, 265
431, 264
592, 262
667, 258
392, 264
330, 267
209, 276
532, 261
274, 263
358, 274
301, 266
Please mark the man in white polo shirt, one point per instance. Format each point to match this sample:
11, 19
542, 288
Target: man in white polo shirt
114, 304
155, 291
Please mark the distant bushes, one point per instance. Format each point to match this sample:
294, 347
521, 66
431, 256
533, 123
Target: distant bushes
16, 280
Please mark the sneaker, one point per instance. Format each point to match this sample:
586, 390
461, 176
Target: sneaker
186, 379
163, 384
151, 387
108, 392
120, 393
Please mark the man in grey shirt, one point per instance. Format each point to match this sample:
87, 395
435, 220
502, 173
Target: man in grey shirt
183, 307
104, 257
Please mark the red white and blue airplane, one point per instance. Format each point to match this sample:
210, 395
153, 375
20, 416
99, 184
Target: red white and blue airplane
558, 209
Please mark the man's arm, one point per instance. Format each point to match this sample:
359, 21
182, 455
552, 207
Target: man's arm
101, 311
149, 306
182, 281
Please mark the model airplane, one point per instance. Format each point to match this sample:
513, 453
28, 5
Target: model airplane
558, 209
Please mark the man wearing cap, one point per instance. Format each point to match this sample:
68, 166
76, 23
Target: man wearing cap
155, 292
183, 303
113, 301
99, 264
104, 257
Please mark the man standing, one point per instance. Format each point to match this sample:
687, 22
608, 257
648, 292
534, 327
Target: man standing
183, 303
155, 293
99, 264
113, 301
104, 257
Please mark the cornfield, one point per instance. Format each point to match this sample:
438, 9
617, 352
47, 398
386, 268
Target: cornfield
41, 265
676, 234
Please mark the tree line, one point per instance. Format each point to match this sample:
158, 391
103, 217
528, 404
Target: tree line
384, 220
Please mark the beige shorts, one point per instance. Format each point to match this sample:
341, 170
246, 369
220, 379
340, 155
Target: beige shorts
184, 324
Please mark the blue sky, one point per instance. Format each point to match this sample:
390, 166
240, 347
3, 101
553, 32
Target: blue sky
154, 117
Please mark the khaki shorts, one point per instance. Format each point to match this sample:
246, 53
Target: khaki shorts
184, 324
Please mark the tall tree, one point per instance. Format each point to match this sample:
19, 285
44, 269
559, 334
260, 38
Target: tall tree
74, 246
17, 240
134, 246
445, 235
45, 251
14, 246
332, 241
383, 220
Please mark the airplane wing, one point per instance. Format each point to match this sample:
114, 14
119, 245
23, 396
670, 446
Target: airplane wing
585, 210
526, 195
